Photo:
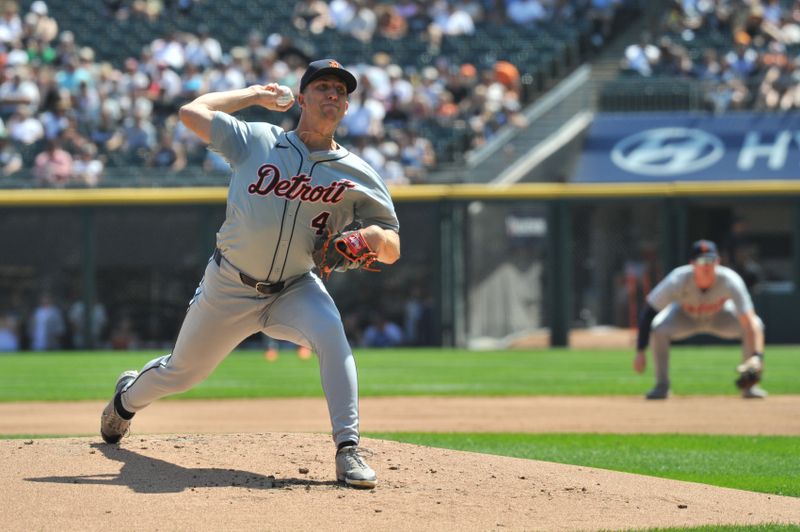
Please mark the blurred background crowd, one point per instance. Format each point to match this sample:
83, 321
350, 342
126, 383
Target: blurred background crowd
747, 51
73, 111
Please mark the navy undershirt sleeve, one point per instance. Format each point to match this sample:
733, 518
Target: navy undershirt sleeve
645, 321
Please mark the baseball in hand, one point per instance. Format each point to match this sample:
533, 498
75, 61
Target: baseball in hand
284, 95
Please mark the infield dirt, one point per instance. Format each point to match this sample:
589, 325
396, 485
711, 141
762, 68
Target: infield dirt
284, 480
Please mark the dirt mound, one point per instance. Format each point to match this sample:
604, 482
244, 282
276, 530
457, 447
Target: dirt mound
286, 481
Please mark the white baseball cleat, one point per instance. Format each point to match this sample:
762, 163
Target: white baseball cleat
353, 470
754, 392
113, 426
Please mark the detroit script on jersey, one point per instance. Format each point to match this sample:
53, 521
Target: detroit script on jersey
283, 197
297, 187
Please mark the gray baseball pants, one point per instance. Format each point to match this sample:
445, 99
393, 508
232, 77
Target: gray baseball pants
224, 311
673, 323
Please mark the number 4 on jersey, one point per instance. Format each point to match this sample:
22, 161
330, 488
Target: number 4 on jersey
320, 222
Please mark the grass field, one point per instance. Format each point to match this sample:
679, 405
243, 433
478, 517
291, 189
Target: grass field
701, 371
767, 463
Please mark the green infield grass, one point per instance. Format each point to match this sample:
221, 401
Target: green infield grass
730, 528
395, 372
766, 464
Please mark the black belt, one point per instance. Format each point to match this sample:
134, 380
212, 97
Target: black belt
260, 286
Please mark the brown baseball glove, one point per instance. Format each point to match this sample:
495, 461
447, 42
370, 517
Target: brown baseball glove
749, 373
340, 252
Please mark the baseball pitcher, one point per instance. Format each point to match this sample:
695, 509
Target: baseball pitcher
701, 297
290, 197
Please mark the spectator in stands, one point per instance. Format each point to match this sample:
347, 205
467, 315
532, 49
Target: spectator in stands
364, 116
53, 166
451, 19
10, 158
167, 85
203, 50
642, 56
382, 333
525, 12
123, 335
66, 48
10, 22
167, 154
24, 128
87, 168
192, 83
390, 24
341, 13
40, 52
228, 77
364, 23
139, 137
709, 69
726, 95
87, 104
417, 318
105, 134
148, 9
773, 12
76, 316
18, 90
397, 114
55, 121
39, 25
415, 14
73, 73
311, 16
168, 50
46, 325
9, 333
742, 60
417, 155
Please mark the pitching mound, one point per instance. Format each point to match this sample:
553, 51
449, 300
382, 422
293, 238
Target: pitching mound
286, 481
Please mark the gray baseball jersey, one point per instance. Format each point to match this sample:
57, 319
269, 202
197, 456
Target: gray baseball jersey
280, 200
679, 287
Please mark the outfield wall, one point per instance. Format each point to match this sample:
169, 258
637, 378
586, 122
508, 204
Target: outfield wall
481, 265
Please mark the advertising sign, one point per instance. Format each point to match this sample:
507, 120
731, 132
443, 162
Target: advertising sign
689, 147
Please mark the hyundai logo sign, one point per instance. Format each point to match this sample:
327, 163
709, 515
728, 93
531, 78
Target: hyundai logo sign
667, 151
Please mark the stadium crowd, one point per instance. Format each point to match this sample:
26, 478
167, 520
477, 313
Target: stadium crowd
52, 324
70, 115
746, 51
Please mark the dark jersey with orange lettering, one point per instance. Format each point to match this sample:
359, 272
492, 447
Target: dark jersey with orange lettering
679, 287
282, 197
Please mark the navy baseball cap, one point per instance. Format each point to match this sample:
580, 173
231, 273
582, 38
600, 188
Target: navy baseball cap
325, 67
704, 249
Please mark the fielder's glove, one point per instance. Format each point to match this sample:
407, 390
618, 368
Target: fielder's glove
340, 252
749, 372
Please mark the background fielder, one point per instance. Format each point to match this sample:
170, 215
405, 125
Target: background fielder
701, 297
288, 190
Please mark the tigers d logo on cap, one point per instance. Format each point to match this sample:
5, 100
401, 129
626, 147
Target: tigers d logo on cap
704, 251
328, 67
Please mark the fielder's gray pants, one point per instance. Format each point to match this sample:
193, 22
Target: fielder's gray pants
224, 312
673, 323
